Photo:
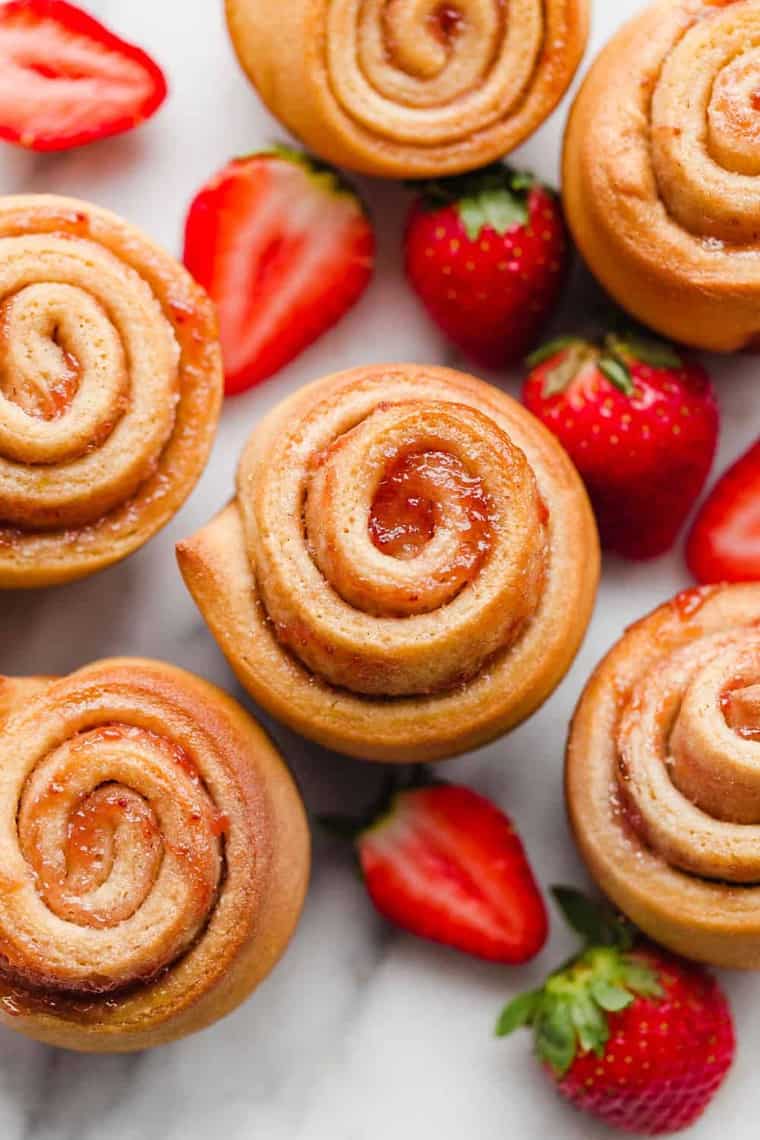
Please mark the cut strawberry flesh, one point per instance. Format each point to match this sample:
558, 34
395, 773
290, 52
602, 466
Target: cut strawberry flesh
737, 545
282, 254
724, 545
66, 80
447, 866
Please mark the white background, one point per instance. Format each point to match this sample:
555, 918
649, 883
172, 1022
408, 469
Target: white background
362, 1033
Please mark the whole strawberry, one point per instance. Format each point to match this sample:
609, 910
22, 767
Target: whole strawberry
628, 1033
487, 253
641, 424
444, 863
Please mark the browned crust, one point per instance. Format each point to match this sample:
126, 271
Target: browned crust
273, 837
216, 568
42, 558
684, 286
282, 48
709, 921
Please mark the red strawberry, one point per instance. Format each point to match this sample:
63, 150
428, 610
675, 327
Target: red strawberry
487, 253
66, 80
285, 248
724, 545
445, 864
641, 425
629, 1033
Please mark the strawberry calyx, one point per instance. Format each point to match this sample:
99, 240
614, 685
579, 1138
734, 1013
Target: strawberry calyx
325, 177
570, 1012
614, 356
567, 357
495, 197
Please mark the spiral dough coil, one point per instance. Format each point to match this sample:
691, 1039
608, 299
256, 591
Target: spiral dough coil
154, 855
663, 775
408, 567
661, 167
110, 389
410, 88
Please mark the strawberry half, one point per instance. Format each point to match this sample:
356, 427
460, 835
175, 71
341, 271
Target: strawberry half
66, 80
445, 864
640, 422
487, 253
724, 544
285, 248
635, 1036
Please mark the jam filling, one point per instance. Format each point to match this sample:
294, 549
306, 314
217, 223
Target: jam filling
91, 825
741, 709
48, 401
55, 399
446, 22
405, 510
96, 818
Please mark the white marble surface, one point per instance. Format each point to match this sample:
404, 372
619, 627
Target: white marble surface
362, 1033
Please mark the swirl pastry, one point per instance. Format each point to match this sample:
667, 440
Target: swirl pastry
110, 389
409, 565
663, 775
410, 88
153, 852
661, 166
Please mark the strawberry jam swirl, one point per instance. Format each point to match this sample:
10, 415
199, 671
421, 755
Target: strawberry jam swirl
664, 141
407, 566
663, 774
689, 756
705, 123
407, 71
89, 381
153, 855
422, 549
113, 856
110, 383
407, 508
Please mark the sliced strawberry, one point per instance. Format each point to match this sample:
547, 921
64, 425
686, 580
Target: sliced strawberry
724, 544
445, 864
285, 248
66, 80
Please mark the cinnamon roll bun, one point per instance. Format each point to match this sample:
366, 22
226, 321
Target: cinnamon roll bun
661, 166
410, 88
110, 389
153, 856
663, 775
408, 567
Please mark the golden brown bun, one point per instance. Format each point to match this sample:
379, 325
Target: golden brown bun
410, 90
663, 775
661, 165
154, 856
110, 389
388, 656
